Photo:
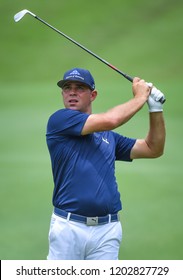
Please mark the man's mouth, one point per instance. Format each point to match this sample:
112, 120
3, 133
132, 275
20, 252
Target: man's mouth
73, 101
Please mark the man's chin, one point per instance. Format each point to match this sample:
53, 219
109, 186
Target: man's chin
73, 108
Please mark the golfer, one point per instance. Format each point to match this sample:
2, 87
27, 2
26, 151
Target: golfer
83, 147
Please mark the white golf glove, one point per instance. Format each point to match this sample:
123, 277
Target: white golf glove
153, 101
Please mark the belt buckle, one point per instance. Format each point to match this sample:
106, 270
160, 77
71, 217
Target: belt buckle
92, 221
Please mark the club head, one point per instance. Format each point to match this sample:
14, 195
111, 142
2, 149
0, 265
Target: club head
21, 14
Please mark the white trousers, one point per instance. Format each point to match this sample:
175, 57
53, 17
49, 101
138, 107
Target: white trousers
70, 240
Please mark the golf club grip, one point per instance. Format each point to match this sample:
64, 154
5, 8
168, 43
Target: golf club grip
119, 71
162, 100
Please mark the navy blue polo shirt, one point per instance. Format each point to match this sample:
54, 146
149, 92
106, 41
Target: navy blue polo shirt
84, 166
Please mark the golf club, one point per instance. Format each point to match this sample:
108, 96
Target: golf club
22, 13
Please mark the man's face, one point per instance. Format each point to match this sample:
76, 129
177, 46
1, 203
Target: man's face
77, 96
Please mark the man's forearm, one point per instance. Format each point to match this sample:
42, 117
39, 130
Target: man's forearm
157, 133
120, 114
124, 112
114, 117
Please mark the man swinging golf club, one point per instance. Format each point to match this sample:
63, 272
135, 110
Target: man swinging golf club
83, 148
85, 223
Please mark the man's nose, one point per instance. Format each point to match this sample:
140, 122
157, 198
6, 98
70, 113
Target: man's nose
73, 91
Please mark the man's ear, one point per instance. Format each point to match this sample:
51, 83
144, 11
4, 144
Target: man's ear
93, 95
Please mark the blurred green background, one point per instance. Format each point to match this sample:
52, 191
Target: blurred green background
142, 38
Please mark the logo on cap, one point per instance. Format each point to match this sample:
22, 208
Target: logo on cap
78, 74
75, 72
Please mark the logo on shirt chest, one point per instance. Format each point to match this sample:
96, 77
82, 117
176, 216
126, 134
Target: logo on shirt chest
105, 140
99, 137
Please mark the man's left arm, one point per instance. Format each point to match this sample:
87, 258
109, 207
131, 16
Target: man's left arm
153, 145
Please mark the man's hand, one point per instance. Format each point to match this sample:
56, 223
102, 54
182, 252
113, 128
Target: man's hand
140, 88
153, 101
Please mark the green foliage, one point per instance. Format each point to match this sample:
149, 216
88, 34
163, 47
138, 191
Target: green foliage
142, 38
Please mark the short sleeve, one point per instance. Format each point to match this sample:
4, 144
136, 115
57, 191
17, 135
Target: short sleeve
123, 147
66, 122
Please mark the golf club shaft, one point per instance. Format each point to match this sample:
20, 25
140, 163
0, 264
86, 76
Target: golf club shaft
87, 50
21, 14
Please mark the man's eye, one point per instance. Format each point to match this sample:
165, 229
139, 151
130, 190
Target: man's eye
66, 88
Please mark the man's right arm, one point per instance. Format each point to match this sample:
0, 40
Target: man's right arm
120, 114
